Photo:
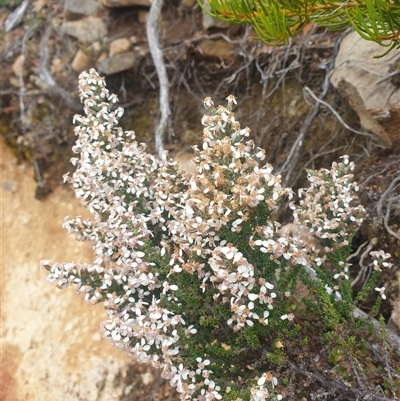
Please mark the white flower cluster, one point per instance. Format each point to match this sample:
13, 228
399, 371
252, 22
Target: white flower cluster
380, 260
325, 207
260, 392
235, 276
154, 230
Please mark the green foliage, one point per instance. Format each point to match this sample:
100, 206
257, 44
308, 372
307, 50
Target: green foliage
276, 21
10, 3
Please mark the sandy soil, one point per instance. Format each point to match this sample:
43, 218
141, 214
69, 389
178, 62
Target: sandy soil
51, 343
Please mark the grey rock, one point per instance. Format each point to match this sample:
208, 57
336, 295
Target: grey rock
117, 63
365, 82
86, 7
211, 22
87, 30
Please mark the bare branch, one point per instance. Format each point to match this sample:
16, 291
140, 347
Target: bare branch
156, 53
340, 387
364, 267
294, 154
336, 114
378, 173
390, 188
46, 77
387, 215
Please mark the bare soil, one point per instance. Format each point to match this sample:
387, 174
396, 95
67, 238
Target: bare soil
51, 343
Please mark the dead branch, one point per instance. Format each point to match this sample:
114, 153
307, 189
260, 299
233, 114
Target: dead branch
16, 16
364, 267
340, 387
291, 161
378, 173
294, 154
22, 90
387, 215
46, 77
21, 95
156, 53
336, 114
390, 188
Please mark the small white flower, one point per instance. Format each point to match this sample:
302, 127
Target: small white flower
208, 102
341, 275
252, 297
381, 292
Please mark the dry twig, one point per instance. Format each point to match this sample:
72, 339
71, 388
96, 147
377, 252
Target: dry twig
46, 77
291, 161
156, 53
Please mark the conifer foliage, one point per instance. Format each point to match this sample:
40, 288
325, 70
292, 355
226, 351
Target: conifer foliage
276, 21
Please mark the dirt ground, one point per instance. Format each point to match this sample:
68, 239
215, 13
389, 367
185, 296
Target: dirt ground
51, 343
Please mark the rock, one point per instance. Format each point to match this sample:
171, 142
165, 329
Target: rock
126, 3
365, 83
211, 22
396, 313
19, 66
82, 61
118, 46
87, 7
96, 47
188, 3
10, 185
57, 65
87, 30
15, 82
103, 56
117, 63
216, 49
143, 16
39, 5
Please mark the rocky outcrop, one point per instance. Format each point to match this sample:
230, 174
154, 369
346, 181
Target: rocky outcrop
366, 83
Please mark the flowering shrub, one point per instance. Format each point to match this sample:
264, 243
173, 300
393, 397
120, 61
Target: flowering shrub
194, 273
